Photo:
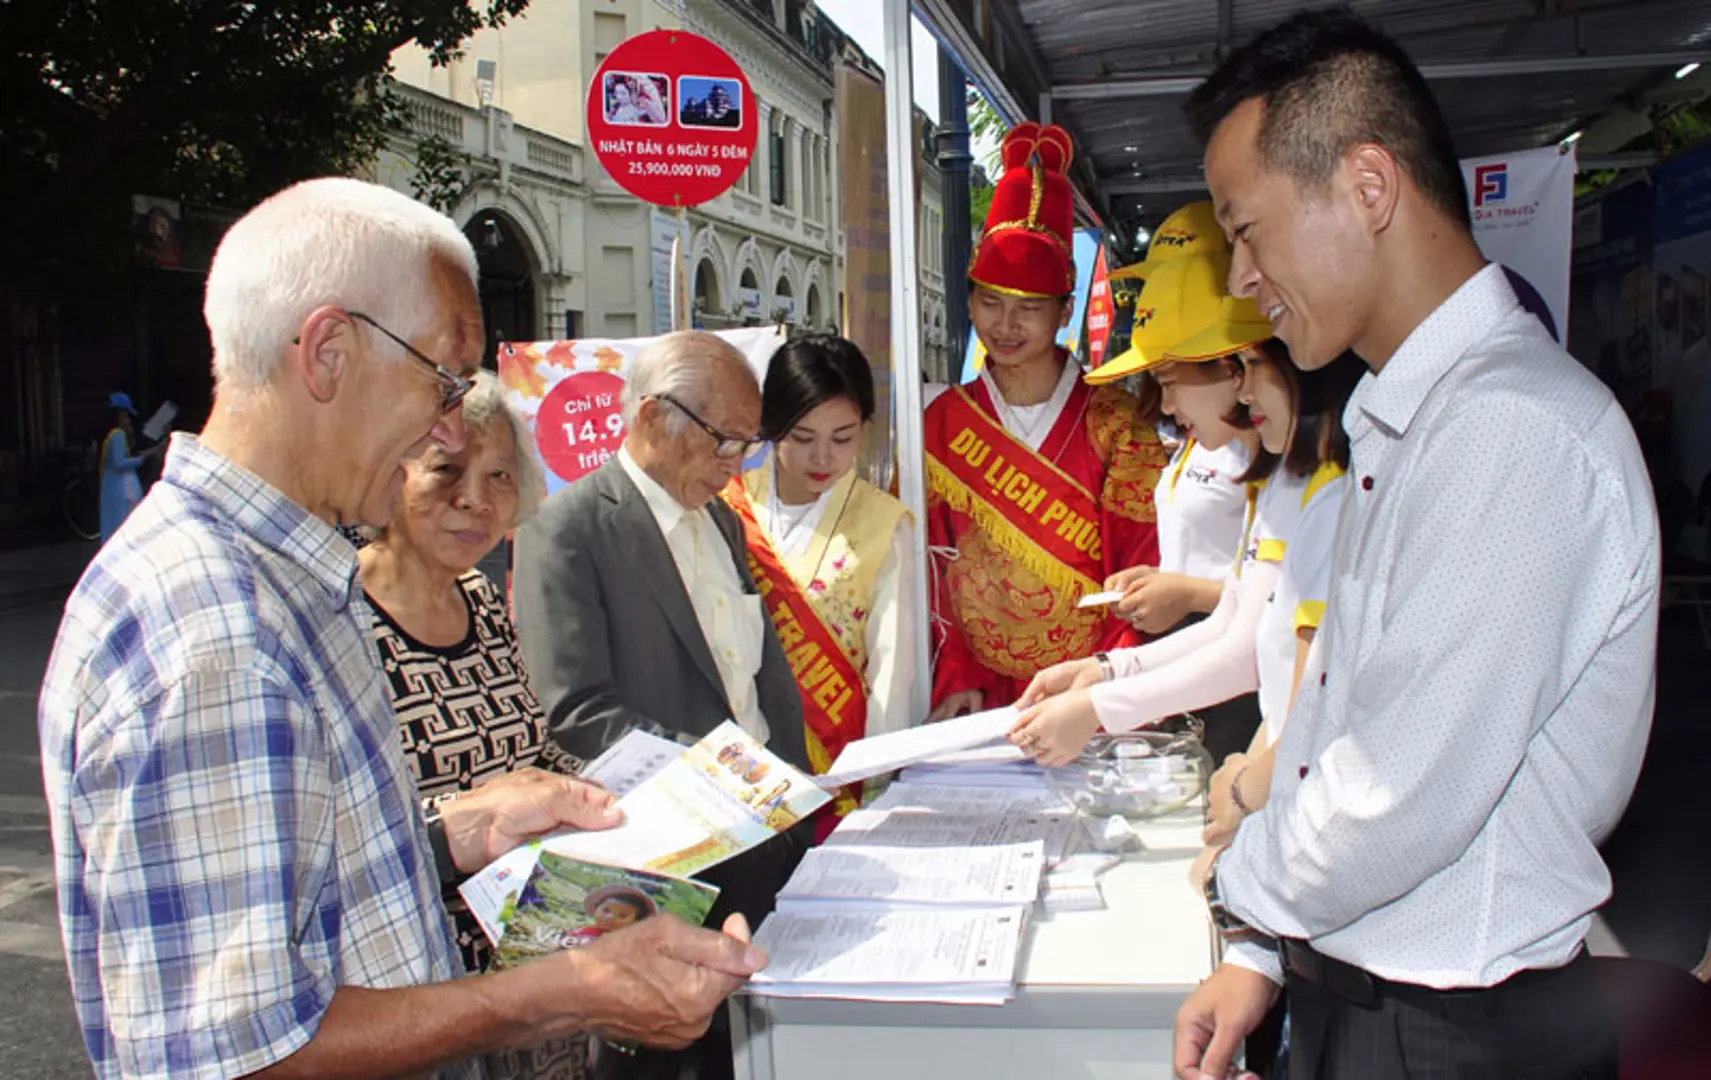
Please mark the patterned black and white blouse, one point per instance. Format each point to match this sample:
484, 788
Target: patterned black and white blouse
465, 712
465, 715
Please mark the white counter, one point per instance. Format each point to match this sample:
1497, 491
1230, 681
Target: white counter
1097, 992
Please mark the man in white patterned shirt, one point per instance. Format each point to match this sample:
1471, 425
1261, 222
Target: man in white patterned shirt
1426, 868
246, 884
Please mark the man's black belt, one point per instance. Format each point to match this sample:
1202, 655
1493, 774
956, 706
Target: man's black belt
1363, 988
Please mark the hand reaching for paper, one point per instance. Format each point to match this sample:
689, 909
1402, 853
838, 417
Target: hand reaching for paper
1056, 731
1154, 602
658, 982
1060, 679
490, 820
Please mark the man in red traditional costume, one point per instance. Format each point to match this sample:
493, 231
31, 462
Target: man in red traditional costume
1039, 486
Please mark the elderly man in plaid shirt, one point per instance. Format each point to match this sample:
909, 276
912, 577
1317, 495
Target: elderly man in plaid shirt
246, 885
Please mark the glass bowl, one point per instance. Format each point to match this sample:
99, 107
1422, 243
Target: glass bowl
1135, 775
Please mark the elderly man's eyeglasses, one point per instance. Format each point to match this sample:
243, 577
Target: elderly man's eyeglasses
726, 445
453, 387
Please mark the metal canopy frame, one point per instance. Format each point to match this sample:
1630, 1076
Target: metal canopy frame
1540, 80
1511, 73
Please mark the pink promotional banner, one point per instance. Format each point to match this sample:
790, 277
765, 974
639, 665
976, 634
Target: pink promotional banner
567, 393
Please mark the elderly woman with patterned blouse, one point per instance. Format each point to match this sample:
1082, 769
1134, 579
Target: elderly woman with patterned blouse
465, 710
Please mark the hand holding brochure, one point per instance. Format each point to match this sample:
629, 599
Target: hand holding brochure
720, 797
568, 903
886, 753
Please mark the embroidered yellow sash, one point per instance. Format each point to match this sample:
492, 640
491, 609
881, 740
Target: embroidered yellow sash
833, 691
1038, 515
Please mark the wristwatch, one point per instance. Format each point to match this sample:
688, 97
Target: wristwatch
441, 847
1107, 672
1223, 918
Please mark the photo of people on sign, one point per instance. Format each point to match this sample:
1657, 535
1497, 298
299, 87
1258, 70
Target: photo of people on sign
155, 222
709, 103
637, 98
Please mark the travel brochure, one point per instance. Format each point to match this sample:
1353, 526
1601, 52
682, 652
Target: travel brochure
568, 903
720, 797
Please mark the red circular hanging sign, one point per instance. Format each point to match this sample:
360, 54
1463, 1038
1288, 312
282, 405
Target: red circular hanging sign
579, 426
671, 118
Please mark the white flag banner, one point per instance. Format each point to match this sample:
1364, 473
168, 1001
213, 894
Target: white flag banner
1523, 218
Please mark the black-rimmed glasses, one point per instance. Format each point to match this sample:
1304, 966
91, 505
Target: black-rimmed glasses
727, 446
453, 387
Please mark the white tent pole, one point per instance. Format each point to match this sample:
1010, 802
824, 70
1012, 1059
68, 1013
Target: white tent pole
900, 153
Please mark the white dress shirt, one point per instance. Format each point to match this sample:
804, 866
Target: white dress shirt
731, 619
1030, 424
1202, 509
890, 631
1488, 667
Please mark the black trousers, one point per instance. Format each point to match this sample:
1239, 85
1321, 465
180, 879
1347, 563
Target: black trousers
749, 884
1537, 1025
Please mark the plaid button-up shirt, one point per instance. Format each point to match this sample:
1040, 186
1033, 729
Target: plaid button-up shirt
235, 830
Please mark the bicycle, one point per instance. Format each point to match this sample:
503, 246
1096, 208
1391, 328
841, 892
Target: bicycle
80, 499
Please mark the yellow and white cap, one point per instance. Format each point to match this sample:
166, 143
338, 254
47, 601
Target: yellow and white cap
1189, 230
1240, 323
1181, 301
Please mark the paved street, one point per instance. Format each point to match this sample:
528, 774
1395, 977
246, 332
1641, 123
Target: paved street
38, 1032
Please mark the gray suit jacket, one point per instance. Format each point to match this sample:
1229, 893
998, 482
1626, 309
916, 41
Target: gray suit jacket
608, 632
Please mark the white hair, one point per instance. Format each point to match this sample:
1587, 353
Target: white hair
682, 365
484, 410
334, 241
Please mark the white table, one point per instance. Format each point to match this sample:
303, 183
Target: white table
1097, 992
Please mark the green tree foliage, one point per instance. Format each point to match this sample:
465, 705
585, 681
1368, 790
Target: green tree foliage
442, 173
201, 100
987, 128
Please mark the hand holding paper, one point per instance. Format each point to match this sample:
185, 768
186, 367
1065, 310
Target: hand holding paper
659, 982
494, 818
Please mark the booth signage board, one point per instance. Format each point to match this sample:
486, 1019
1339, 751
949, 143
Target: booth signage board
567, 394
671, 118
1522, 208
579, 425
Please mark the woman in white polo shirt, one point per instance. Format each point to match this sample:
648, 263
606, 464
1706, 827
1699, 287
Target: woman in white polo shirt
1258, 635
1203, 506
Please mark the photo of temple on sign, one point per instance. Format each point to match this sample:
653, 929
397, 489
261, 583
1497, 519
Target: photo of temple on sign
705, 102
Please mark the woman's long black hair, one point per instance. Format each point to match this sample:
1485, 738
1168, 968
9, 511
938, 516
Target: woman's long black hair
1320, 396
807, 372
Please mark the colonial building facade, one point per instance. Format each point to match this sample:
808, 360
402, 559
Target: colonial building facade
566, 252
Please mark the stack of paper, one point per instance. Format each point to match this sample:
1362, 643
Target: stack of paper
917, 827
968, 800
963, 957
969, 770
907, 877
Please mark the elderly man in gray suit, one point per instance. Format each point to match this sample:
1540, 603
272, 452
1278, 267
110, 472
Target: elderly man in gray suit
636, 609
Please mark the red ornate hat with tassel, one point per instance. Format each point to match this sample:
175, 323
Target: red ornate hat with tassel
1026, 246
